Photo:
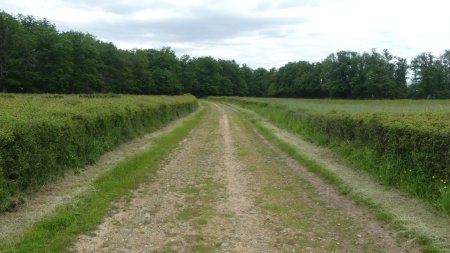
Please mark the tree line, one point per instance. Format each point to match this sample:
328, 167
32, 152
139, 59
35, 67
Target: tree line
35, 57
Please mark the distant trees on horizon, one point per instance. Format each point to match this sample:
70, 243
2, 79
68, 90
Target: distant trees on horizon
35, 57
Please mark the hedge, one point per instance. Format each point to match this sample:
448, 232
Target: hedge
410, 151
43, 136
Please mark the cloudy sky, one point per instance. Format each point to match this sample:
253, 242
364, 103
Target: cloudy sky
260, 33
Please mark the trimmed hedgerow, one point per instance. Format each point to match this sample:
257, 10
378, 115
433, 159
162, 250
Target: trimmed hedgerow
410, 151
42, 136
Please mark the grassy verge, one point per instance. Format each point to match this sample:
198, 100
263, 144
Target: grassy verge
313, 166
408, 151
57, 231
292, 201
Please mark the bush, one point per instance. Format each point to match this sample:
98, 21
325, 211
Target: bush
410, 151
42, 137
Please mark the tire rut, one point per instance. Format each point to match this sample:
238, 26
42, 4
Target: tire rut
249, 232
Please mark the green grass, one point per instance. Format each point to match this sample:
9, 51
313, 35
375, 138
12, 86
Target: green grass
292, 152
201, 248
400, 147
390, 106
313, 166
287, 197
57, 231
200, 198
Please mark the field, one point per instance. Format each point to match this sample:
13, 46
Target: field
42, 136
374, 106
236, 175
403, 143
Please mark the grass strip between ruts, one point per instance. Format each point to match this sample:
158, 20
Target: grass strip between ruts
313, 166
57, 231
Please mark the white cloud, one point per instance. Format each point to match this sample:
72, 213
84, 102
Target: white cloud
257, 32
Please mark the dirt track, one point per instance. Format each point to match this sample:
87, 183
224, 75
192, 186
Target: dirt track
225, 189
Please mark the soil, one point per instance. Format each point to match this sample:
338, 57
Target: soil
226, 189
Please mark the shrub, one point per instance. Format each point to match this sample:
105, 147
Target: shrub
408, 150
42, 137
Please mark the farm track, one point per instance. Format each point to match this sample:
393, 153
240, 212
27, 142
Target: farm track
65, 189
226, 189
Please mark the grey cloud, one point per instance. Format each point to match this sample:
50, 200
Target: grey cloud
118, 7
285, 4
296, 3
205, 25
198, 25
127, 7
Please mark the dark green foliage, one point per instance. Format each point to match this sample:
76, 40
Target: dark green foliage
43, 136
35, 57
410, 151
232, 82
166, 70
298, 79
13, 51
207, 76
430, 76
370, 75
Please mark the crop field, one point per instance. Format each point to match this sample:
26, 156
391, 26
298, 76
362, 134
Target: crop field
423, 115
403, 143
380, 106
41, 136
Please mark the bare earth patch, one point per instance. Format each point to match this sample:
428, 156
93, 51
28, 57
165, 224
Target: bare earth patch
72, 184
225, 189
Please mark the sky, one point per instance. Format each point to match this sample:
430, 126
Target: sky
259, 33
